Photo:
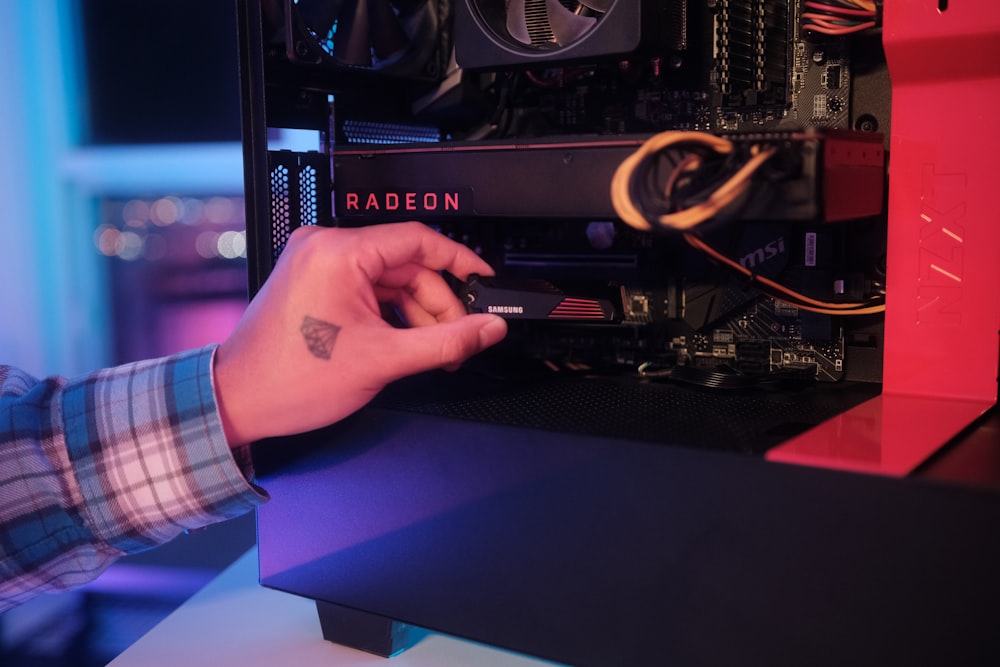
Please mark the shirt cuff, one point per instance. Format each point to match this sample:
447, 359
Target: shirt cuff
147, 446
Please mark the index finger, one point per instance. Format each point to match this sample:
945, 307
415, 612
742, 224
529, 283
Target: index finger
393, 245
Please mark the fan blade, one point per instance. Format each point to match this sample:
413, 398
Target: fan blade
567, 27
352, 44
387, 35
517, 23
319, 15
405, 7
601, 6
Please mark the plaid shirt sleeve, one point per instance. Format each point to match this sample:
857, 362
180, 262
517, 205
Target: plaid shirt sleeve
112, 463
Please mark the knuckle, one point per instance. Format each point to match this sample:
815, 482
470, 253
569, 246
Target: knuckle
310, 247
300, 235
456, 349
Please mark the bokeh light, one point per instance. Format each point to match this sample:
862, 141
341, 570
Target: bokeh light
232, 245
166, 211
149, 229
207, 244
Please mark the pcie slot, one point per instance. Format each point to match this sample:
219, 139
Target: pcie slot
570, 260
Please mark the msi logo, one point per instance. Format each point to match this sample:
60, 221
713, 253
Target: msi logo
765, 252
941, 254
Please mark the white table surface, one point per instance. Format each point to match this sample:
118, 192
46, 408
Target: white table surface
235, 621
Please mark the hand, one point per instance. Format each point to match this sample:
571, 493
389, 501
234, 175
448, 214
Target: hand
313, 347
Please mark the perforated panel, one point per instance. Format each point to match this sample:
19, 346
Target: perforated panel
281, 227
296, 180
308, 209
675, 414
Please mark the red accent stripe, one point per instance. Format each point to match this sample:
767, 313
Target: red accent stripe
574, 308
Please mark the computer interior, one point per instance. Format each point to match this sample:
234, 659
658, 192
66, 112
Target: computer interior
728, 236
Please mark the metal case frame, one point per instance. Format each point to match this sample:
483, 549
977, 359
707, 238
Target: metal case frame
597, 550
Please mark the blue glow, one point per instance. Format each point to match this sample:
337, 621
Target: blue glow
300, 141
53, 298
202, 168
369, 132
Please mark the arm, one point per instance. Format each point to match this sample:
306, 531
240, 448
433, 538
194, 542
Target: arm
111, 463
126, 458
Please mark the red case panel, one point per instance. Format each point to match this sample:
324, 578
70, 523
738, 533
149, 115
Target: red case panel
943, 298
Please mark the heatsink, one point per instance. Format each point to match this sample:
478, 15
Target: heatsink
751, 52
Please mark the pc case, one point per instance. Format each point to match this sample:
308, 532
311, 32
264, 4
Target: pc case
594, 519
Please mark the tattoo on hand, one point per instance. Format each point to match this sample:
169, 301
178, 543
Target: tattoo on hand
320, 336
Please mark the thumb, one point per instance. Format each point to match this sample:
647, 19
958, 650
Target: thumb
447, 344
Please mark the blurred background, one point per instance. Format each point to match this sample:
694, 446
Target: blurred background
124, 239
